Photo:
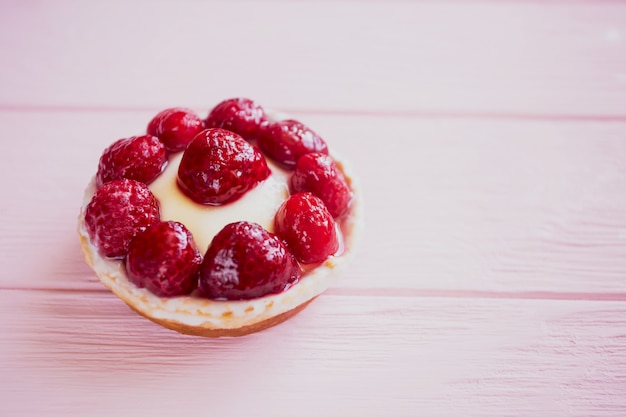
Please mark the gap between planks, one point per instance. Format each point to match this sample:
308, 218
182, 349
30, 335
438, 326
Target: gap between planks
379, 113
404, 293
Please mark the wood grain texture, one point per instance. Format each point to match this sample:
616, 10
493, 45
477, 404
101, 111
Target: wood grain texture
87, 353
489, 138
451, 205
480, 57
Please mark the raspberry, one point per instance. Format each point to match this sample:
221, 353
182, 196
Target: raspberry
245, 261
219, 166
240, 115
117, 212
164, 259
175, 127
140, 158
287, 140
319, 174
308, 229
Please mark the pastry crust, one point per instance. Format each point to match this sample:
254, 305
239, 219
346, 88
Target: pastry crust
210, 318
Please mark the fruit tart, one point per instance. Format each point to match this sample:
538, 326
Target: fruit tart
221, 226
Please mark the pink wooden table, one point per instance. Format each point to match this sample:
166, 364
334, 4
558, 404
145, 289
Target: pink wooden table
490, 141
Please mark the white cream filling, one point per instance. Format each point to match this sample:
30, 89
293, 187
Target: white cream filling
203, 221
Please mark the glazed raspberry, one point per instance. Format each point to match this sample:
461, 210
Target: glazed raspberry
246, 261
175, 127
117, 212
219, 166
286, 141
140, 158
240, 115
308, 229
319, 174
164, 259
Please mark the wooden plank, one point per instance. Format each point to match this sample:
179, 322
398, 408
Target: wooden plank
511, 207
489, 205
566, 59
78, 353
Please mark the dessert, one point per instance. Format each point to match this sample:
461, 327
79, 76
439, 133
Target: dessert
219, 227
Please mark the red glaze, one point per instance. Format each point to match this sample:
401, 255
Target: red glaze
117, 212
164, 259
319, 174
306, 226
246, 261
286, 141
219, 166
140, 158
175, 127
240, 115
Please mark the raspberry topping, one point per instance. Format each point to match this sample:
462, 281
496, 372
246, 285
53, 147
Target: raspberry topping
140, 158
307, 227
246, 261
175, 127
240, 115
319, 174
117, 212
219, 166
164, 259
286, 141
